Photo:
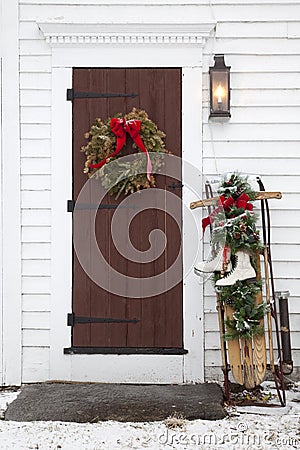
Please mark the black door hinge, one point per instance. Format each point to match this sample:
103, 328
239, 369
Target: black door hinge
72, 319
91, 206
175, 185
71, 95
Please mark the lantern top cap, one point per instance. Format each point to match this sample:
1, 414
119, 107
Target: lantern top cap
219, 63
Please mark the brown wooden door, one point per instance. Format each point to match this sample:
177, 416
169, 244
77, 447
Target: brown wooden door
157, 320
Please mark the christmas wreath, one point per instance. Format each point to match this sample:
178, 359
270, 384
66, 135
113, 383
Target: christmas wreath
235, 229
106, 141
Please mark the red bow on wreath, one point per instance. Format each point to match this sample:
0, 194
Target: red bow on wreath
241, 202
120, 127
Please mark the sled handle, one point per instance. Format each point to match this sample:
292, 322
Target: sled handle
214, 200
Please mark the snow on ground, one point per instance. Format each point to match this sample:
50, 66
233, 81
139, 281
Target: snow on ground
245, 428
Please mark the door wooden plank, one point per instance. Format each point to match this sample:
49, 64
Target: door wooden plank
82, 292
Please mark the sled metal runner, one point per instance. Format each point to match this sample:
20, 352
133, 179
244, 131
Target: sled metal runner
247, 359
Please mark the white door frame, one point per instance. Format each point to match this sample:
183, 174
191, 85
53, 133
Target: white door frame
71, 47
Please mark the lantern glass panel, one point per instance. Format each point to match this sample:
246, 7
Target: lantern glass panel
219, 86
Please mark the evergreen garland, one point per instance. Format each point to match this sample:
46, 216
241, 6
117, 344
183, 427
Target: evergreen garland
236, 228
126, 177
246, 318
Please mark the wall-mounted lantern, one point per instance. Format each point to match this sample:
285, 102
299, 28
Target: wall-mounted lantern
219, 76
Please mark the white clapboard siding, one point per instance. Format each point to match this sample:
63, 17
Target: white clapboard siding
37, 166
254, 115
35, 80
36, 302
284, 166
35, 182
39, 320
36, 217
32, 97
35, 366
36, 338
36, 199
239, 149
253, 46
35, 63
35, 148
36, 284
245, 132
30, 47
36, 250
36, 234
35, 131
40, 267
35, 115
251, 30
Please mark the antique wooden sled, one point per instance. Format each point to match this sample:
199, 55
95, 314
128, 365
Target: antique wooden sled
249, 360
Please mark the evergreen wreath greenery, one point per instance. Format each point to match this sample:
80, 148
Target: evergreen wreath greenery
126, 177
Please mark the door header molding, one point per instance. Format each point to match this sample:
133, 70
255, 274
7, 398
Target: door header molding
126, 33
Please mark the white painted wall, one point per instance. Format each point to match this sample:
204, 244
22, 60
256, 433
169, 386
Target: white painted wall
261, 43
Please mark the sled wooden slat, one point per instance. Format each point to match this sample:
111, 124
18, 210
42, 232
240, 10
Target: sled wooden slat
214, 200
234, 352
259, 342
247, 358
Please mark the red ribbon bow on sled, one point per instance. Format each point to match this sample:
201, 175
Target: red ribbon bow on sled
120, 127
241, 202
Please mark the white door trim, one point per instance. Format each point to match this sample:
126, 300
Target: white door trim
124, 368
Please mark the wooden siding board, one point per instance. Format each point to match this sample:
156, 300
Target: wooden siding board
36, 338
36, 267
253, 46
265, 166
35, 80
35, 115
36, 234
36, 302
36, 320
36, 217
36, 284
36, 250
38, 166
32, 97
35, 148
36, 199
36, 182
35, 364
